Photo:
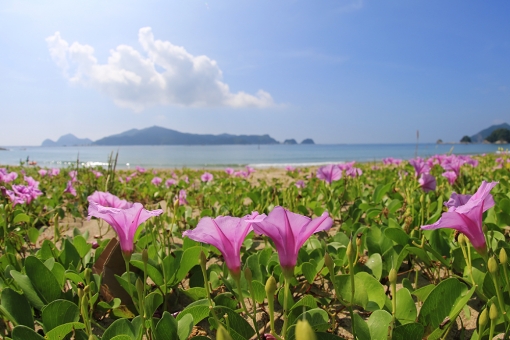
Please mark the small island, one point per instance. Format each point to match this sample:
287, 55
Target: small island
308, 141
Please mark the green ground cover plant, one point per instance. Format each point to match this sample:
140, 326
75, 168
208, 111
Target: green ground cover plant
414, 249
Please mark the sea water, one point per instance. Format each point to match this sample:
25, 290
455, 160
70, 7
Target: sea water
221, 156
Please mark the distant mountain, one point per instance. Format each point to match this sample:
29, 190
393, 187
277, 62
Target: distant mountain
482, 135
308, 141
161, 136
67, 140
290, 141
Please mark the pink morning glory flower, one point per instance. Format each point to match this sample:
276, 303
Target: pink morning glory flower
206, 177
451, 176
427, 182
289, 231
156, 181
249, 170
7, 177
182, 197
74, 175
229, 171
106, 199
125, 221
42, 172
227, 234
140, 169
70, 189
54, 172
290, 168
420, 166
97, 173
300, 184
329, 173
354, 172
169, 182
466, 215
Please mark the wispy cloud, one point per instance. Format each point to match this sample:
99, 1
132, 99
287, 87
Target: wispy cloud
165, 75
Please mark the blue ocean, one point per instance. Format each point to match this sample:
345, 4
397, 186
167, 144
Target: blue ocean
220, 156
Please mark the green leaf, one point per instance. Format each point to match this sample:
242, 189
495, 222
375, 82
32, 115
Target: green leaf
423, 292
374, 289
33, 235
374, 262
24, 333
69, 255
81, 245
152, 269
309, 271
397, 235
361, 327
226, 299
259, 291
188, 260
236, 322
198, 313
118, 327
380, 191
408, 331
343, 284
317, 318
121, 337
43, 280
152, 302
60, 332
21, 217
440, 302
406, 308
16, 308
185, 326
59, 312
28, 289
195, 293
378, 324
167, 328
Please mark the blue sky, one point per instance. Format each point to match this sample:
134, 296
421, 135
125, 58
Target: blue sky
353, 71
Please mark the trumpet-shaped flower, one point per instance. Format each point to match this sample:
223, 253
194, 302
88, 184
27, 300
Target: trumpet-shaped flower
70, 189
227, 234
427, 182
465, 215
451, 176
329, 173
289, 231
206, 177
125, 220
156, 181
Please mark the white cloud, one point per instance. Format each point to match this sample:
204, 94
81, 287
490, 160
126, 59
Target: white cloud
133, 80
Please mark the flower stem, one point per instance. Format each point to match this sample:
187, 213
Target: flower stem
285, 303
243, 304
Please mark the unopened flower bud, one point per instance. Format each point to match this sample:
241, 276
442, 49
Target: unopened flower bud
203, 259
86, 290
392, 277
484, 318
304, 331
503, 257
80, 293
145, 256
139, 287
270, 287
247, 274
461, 239
95, 245
358, 242
422, 198
485, 229
87, 274
492, 265
222, 334
493, 312
349, 252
